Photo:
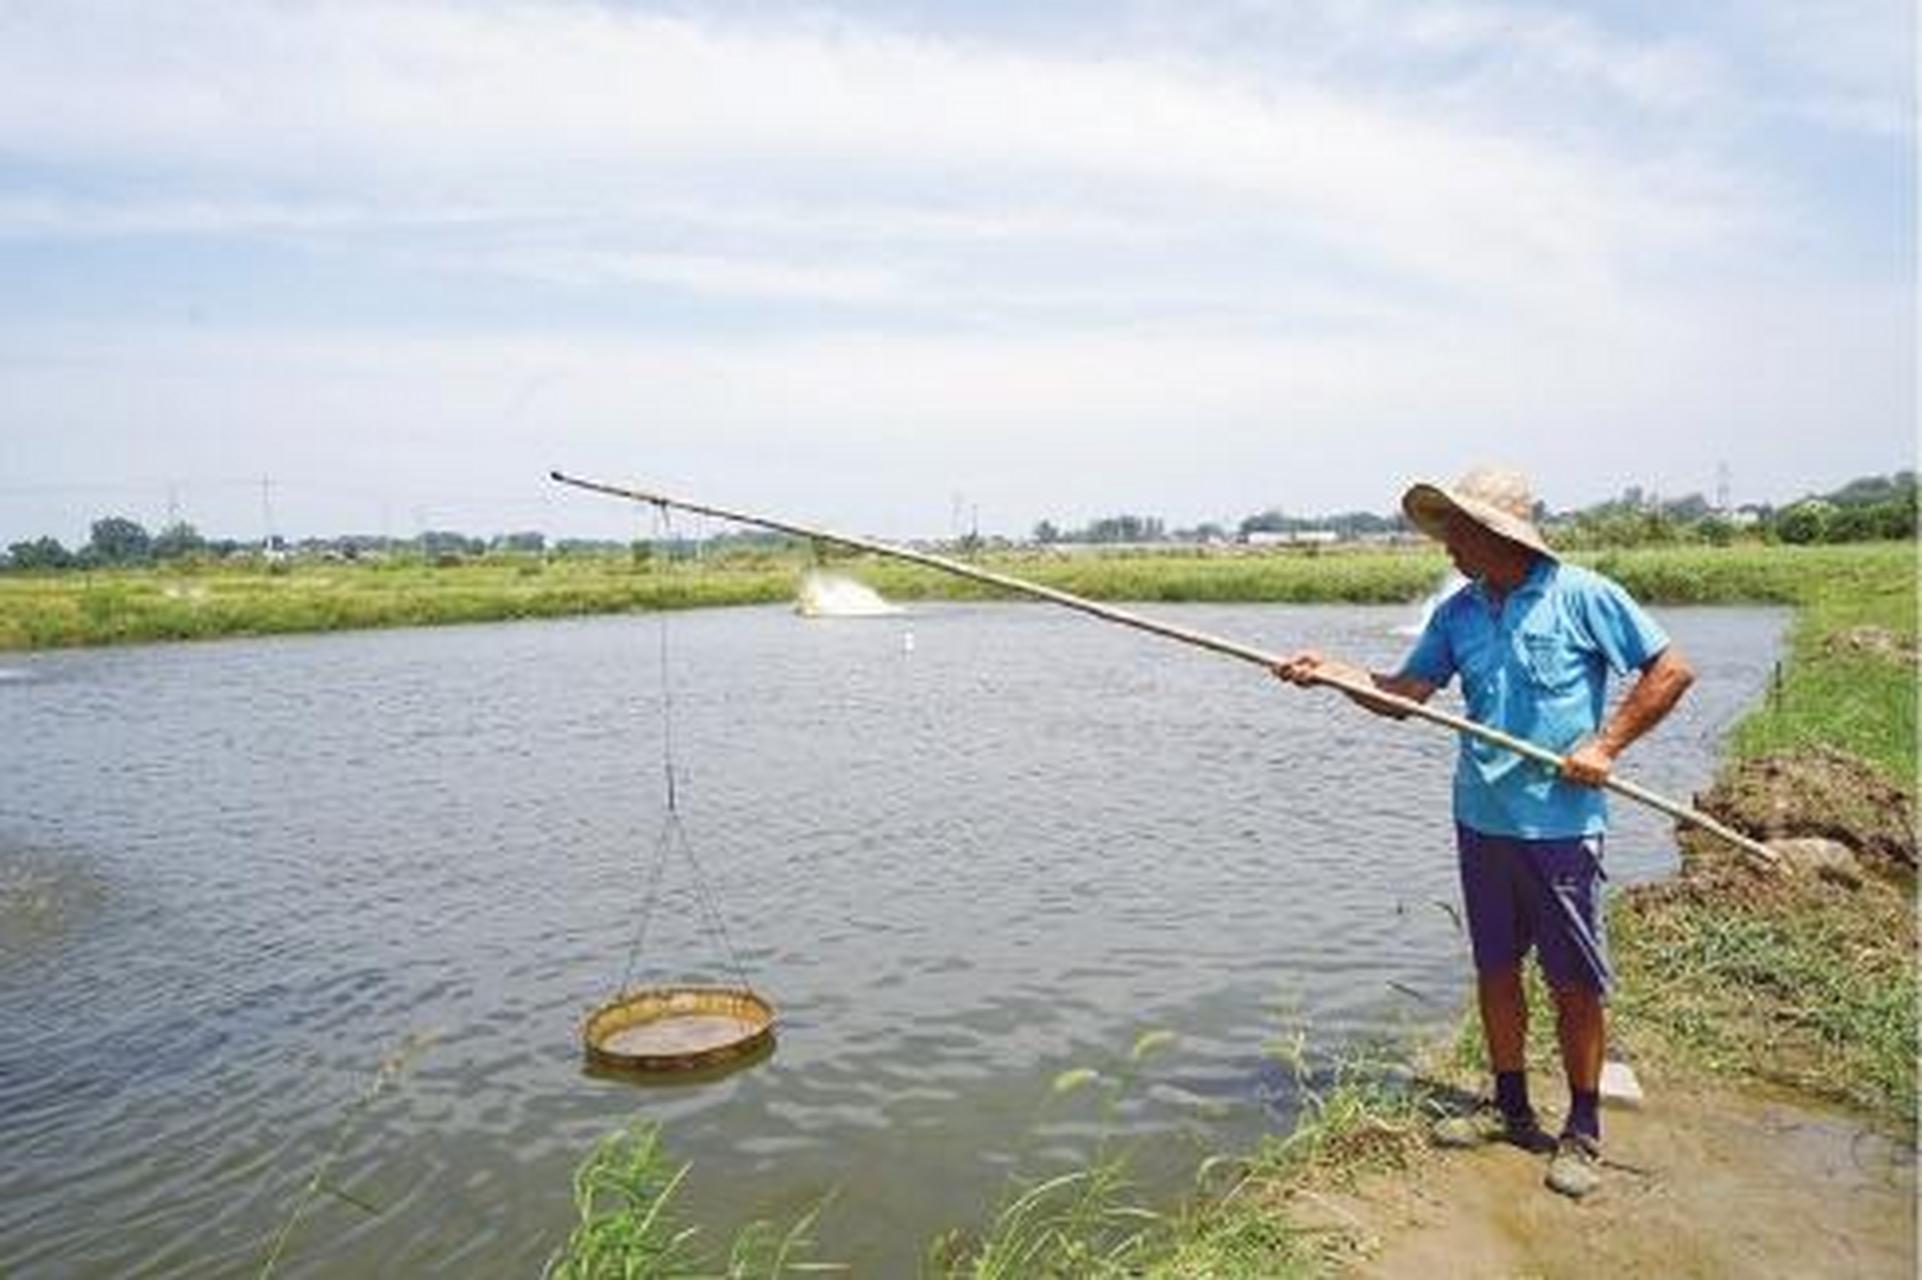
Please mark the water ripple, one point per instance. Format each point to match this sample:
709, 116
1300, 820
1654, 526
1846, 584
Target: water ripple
257, 870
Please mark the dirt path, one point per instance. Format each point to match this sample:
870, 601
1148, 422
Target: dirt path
1709, 1183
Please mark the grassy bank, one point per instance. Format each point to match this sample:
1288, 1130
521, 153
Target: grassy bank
202, 602
138, 605
1807, 982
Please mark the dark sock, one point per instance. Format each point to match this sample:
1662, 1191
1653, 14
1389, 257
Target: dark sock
1585, 1115
1511, 1094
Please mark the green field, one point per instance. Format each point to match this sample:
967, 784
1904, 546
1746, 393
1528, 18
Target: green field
75, 607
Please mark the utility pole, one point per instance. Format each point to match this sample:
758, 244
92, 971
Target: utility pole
271, 539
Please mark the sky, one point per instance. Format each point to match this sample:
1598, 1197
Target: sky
908, 269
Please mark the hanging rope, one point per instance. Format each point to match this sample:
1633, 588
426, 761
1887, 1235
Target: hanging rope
673, 834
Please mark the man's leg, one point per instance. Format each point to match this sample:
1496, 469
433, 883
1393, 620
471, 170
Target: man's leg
1497, 934
1579, 1026
1574, 953
1504, 1018
1504, 1010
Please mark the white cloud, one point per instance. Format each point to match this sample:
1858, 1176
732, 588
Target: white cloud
520, 109
1848, 64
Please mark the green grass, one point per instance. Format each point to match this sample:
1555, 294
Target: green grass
1079, 1222
1361, 1112
189, 602
1837, 696
1802, 984
135, 605
1356, 577
1817, 992
1364, 1111
1755, 573
629, 1227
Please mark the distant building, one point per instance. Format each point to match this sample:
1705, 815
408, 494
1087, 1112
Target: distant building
1292, 537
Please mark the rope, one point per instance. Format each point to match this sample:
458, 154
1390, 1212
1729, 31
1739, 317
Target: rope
710, 903
673, 831
666, 524
661, 846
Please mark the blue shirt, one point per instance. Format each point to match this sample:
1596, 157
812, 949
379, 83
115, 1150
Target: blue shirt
1534, 665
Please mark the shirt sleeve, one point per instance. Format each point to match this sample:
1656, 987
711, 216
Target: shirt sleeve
1433, 658
1621, 629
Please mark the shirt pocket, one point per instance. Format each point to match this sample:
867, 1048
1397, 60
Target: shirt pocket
1478, 657
1550, 661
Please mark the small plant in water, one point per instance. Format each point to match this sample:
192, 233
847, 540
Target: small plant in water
1079, 1223
628, 1225
390, 1070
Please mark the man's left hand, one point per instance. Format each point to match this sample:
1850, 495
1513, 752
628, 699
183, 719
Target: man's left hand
1589, 763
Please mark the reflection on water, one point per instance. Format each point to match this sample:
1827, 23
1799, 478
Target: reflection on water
42, 897
958, 868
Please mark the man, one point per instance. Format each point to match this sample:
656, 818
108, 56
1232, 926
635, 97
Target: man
1533, 641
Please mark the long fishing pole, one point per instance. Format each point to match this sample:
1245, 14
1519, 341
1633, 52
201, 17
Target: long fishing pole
1754, 849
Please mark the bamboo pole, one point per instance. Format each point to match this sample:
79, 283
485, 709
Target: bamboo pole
1754, 850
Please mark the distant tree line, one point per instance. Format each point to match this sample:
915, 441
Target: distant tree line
117, 541
1865, 509
1347, 524
1107, 530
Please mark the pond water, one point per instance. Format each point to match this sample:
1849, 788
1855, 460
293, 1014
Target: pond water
962, 850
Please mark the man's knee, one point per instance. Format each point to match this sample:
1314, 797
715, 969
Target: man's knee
1577, 998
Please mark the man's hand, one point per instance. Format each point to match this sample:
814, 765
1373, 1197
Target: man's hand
1309, 668
1298, 668
1589, 763
1664, 679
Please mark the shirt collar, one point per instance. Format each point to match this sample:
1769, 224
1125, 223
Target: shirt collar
1534, 583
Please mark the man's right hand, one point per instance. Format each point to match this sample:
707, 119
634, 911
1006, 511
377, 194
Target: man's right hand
1309, 667
1299, 668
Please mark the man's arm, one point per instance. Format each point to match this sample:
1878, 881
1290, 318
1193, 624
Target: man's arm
1663, 681
1310, 668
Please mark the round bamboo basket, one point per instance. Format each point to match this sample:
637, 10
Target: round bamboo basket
668, 1029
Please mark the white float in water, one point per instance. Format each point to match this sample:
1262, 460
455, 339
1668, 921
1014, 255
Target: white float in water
829, 595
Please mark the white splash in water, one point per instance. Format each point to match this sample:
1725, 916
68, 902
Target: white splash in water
829, 595
1451, 583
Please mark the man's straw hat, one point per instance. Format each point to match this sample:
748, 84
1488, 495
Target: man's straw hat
1498, 500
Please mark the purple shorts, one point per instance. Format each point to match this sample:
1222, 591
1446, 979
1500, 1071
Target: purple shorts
1541, 893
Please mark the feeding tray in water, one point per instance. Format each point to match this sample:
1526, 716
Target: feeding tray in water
669, 1029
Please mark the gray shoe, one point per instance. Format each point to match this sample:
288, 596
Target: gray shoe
1576, 1169
1486, 1124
